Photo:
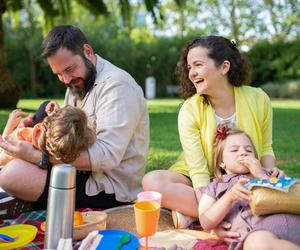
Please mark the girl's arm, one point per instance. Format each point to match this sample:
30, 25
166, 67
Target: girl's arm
13, 121
254, 167
212, 212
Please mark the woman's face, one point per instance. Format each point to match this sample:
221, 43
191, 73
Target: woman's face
203, 72
237, 147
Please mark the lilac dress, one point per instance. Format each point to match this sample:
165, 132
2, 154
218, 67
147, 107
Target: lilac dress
284, 226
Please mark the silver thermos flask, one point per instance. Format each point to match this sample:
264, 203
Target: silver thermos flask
61, 204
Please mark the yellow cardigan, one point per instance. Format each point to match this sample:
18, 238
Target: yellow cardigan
197, 126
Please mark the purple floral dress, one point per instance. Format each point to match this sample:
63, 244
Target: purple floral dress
284, 226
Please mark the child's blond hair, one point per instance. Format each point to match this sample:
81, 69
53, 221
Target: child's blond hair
65, 134
222, 133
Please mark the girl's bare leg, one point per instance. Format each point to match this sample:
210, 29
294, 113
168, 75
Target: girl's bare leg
264, 240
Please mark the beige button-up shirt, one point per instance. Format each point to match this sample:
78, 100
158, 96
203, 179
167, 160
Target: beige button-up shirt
117, 110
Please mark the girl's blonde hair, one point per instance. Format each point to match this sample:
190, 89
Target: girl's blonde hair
222, 134
65, 134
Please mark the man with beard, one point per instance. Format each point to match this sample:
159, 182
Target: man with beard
109, 173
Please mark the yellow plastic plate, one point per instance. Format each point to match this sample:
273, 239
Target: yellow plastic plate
25, 233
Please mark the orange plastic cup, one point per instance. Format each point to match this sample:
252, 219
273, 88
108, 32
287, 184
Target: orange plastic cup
146, 217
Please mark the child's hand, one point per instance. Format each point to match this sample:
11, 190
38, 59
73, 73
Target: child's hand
238, 191
13, 121
51, 107
254, 166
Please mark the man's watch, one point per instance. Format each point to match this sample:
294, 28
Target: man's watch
44, 162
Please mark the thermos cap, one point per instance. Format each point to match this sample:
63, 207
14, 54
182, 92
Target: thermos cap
63, 176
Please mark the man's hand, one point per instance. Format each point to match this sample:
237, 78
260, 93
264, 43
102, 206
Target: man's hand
21, 150
222, 231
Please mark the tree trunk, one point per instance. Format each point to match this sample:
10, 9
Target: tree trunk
9, 91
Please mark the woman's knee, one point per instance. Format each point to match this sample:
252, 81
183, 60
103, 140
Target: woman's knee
153, 181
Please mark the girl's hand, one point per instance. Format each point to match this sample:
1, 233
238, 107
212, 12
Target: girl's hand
238, 191
254, 166
14, 118
51, 107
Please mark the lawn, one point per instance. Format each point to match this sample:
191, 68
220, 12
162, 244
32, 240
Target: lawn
165, 146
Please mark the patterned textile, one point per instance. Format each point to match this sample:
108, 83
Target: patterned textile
35, 218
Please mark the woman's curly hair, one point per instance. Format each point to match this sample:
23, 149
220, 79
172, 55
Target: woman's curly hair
65, 133
219, 50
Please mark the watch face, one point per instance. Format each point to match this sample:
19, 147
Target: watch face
44, 163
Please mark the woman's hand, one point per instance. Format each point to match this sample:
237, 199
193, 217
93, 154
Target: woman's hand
238, 191
275, 172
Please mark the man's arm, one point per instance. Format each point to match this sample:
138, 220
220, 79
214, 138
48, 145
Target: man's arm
21, 150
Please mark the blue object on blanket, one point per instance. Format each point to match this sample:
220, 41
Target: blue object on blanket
6, 238
111, 239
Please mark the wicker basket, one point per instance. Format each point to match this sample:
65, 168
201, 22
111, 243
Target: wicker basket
93, 220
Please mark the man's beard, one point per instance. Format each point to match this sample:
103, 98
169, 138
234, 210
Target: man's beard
89, 80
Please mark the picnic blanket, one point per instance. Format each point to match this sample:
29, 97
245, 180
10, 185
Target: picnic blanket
36, 218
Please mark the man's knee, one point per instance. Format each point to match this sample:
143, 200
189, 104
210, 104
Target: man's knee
8, 175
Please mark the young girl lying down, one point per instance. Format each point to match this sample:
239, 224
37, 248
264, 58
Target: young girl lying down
61, 135
226, 198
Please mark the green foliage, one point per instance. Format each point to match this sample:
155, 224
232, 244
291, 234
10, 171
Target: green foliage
288, 89
164, 142
275, 62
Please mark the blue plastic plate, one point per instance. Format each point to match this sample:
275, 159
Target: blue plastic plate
133, 244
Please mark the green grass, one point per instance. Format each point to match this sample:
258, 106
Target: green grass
165, 146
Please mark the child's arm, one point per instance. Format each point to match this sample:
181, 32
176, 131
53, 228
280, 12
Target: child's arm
254, 167
13, 121
212, 212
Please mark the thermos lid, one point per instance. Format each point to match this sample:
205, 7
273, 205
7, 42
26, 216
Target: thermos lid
63, 176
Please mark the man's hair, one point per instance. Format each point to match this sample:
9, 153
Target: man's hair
64, 36
65, 133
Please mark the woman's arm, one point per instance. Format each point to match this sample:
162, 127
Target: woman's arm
212, 212
189, 128
269, 162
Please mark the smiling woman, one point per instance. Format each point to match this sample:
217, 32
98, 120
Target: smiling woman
212, 73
